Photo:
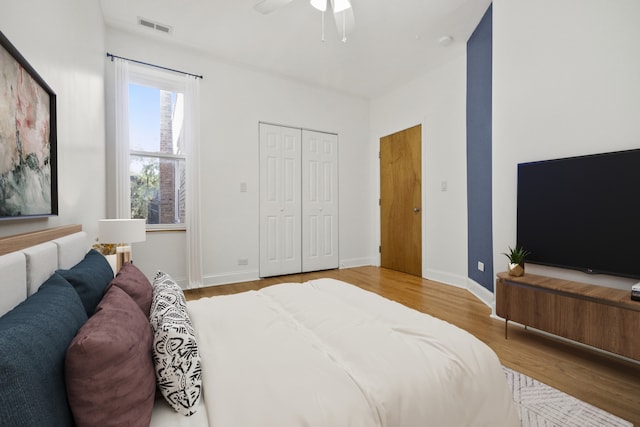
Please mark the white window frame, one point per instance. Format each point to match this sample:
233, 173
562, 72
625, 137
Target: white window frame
163, 80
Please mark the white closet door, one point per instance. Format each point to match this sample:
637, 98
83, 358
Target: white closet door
319, 201
280, 206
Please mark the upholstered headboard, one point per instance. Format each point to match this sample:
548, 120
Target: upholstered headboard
27, 260
53, 284
55, 312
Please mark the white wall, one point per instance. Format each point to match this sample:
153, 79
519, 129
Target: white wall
566, 81
437, 100
64, 42
234, 99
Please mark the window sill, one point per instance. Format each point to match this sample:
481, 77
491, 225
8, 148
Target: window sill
166, 229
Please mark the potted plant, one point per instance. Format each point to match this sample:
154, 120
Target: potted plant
516, 260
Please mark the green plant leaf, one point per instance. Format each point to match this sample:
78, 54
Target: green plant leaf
516, 255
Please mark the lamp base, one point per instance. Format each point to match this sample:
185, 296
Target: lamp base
123, 255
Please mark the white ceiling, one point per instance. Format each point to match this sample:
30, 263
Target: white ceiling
394, 41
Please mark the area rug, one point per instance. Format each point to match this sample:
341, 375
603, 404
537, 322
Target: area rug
540, 405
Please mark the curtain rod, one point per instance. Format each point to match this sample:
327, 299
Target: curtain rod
111, 55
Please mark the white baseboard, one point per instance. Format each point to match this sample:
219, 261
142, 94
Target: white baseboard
446, 278
479, 291
230, 277
245, 276
357, 262
482, 293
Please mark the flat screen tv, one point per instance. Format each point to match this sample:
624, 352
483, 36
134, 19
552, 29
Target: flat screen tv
582, 213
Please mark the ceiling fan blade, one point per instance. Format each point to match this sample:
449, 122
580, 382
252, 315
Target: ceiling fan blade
345, 22
268, 6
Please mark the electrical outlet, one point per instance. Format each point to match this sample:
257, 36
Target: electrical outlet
243, 261
480, 265
443, 186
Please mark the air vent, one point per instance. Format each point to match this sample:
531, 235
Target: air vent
155, 25
163, 28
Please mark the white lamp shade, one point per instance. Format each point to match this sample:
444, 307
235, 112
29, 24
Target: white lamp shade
118, 231
340, 5
321, 5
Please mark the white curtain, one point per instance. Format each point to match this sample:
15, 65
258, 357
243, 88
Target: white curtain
123, 184
192, 208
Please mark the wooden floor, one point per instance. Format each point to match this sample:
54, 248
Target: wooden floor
605, 381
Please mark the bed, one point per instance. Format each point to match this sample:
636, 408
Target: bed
320, 353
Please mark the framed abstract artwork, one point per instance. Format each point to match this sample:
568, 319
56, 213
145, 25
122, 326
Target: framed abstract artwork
28, 143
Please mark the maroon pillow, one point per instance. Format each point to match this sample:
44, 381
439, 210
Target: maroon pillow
109, 370
133, 281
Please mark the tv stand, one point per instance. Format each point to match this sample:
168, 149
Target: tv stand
598, 316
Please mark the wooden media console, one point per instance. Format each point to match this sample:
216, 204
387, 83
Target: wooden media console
598, 316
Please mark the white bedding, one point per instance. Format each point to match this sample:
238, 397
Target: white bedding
326, 353
165, 416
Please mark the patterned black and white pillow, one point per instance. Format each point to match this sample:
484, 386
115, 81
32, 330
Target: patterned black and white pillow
167, 296
175, 350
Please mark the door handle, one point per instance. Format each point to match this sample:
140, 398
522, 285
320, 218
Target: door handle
416, 210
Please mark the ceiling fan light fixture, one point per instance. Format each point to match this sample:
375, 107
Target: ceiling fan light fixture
341, 5
321, 5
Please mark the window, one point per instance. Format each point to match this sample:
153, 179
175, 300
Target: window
156, 141
157, 153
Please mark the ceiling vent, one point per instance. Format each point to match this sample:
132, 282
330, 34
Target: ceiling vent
166, 29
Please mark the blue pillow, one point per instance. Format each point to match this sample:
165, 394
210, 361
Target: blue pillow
34, 338
89, 277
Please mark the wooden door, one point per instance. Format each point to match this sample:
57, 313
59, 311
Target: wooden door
280, 203
319, 201
401, 201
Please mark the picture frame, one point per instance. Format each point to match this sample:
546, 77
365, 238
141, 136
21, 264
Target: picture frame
28, 139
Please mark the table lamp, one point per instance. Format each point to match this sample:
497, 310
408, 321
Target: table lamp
122, 232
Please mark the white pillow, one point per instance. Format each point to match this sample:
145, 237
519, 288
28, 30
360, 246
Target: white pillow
175, 350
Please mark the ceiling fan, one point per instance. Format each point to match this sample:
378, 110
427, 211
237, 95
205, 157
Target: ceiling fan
342, 12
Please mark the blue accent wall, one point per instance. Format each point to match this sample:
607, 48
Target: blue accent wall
479, 135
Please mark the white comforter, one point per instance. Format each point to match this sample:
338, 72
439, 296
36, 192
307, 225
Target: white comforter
329, 354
